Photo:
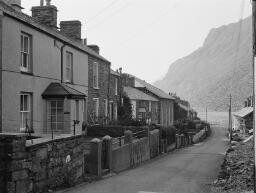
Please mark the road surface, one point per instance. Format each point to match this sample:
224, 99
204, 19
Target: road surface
189, 170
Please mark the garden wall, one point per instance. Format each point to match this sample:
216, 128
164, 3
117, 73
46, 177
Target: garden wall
43, 165
112, 131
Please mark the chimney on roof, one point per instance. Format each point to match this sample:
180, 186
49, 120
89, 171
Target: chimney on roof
71, 29
84, 41
46, 14
95, 48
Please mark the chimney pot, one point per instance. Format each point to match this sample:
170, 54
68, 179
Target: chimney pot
41, 2
84, 41
48, 2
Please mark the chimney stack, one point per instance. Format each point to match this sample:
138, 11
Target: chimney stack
46, 15
95, 48
71, 29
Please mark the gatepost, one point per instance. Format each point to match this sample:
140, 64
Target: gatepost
95, 157
108, 140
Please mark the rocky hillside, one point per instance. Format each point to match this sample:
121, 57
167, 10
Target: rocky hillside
220, 67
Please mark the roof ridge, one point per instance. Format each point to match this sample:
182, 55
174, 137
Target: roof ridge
32, 21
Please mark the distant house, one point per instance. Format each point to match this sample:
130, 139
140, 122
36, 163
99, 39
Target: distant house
165, 101
44, 71
182, 109
243, 119
115, 95
98, 88
144, 106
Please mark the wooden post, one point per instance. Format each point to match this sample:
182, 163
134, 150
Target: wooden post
230, 118
254, 80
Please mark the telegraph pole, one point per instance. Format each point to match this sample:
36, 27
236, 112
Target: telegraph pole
254, 81
206, 114
230, 118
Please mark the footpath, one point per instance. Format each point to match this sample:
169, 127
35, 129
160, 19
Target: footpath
237, 174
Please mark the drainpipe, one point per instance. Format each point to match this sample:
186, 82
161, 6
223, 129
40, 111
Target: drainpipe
108, 94
61, 61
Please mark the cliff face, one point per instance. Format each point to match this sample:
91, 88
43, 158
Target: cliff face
223, 65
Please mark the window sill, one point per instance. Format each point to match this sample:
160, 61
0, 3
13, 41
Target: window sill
96, 88
26, 73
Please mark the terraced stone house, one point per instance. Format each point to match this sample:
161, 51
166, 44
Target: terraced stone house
44, 70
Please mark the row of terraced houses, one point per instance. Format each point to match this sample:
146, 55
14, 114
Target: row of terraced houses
51, 79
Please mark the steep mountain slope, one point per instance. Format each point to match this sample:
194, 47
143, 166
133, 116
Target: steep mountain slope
220, 67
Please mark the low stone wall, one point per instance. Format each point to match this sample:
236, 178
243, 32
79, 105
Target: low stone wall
201, 135
112, 131
43, 165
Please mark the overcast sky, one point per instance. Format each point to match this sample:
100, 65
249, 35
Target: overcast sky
145, 36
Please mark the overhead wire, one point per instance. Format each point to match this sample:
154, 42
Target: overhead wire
102, 11
125, 6
238, 42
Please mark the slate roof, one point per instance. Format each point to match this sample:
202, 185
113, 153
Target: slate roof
60, 90
43, 28
243, 112
158, 92
135, 94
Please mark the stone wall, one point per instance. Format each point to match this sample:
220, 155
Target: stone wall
103, 90
113, 131
43, 164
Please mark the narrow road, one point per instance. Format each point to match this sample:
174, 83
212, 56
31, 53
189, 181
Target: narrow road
189, 170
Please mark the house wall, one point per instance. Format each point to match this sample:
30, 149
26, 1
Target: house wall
166, 112
152, 113
112, 96
102, 92
46, 69
179, 113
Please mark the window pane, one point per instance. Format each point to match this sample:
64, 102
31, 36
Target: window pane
60, 118
26, 44
25, 60
53, 118
60, 126
60, 104
21, 43
53, 104
25, 104
21, 102
53, 126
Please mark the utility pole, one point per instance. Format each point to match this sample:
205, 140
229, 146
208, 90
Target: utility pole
206, 114
254, 81
230, 118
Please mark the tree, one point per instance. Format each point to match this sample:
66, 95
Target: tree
125, 111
